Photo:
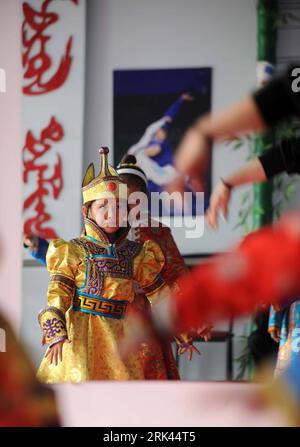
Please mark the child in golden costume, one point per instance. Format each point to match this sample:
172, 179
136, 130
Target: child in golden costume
92, 286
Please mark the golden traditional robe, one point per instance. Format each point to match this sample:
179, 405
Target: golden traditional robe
91, 288
157, 355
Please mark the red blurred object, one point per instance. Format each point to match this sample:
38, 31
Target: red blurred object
111, 186
263, 270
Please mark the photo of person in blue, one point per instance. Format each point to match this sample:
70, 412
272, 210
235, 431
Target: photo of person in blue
152, 109
153, 151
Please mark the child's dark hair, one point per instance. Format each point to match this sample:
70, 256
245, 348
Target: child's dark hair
128, 159
132, 179
88, 205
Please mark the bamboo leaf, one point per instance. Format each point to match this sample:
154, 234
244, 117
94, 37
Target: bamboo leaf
288, 193
293, 16
238, 145
258, 210
244, 197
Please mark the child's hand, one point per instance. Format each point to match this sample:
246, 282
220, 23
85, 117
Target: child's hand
55, 352
275, 334
205, 332
30, 241
188, 347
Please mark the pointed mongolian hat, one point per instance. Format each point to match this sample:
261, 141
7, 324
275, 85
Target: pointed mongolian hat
106, 184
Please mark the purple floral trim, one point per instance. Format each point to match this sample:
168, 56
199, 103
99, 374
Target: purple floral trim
53, 309
53, 326
64, 337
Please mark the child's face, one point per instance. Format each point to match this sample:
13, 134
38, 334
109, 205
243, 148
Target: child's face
108, 213
131, 188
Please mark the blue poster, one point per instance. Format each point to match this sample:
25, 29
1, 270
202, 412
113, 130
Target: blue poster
152, 110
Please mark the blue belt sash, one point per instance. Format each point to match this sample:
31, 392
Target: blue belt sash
98, 305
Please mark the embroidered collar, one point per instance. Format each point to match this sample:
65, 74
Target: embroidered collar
96, 234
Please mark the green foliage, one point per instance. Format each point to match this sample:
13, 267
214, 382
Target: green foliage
283, 186
281, 18
246, 200
284, 18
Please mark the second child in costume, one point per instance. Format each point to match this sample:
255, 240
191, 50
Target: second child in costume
91, 287
157, 357
142, 230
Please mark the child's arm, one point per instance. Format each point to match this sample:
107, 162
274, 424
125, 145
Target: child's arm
174, 266
61, 264
174, 108
37, 247
275, 322
145, 139
148, 273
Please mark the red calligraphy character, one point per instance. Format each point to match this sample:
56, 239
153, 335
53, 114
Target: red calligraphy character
36, 61
33, 151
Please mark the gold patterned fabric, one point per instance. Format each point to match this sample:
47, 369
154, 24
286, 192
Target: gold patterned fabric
91, 288
174, 266
53, 324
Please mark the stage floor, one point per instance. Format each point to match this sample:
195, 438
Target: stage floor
165, 404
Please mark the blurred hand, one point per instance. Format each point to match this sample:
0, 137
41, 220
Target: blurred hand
191, 160
275, 334
189, 348
219, 201
55, 353
205, 332
29, 241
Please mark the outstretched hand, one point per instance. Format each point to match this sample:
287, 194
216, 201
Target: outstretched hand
191, 160
189, 348
29, 241
55, 352
275, 334
205, 332
219, 201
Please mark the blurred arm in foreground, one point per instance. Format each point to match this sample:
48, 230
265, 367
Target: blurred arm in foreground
266, 107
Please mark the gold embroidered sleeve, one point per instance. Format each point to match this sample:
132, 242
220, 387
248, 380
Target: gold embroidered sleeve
147, 272
53, 325
62, 264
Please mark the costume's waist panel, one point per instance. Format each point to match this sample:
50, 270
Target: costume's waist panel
99, 306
